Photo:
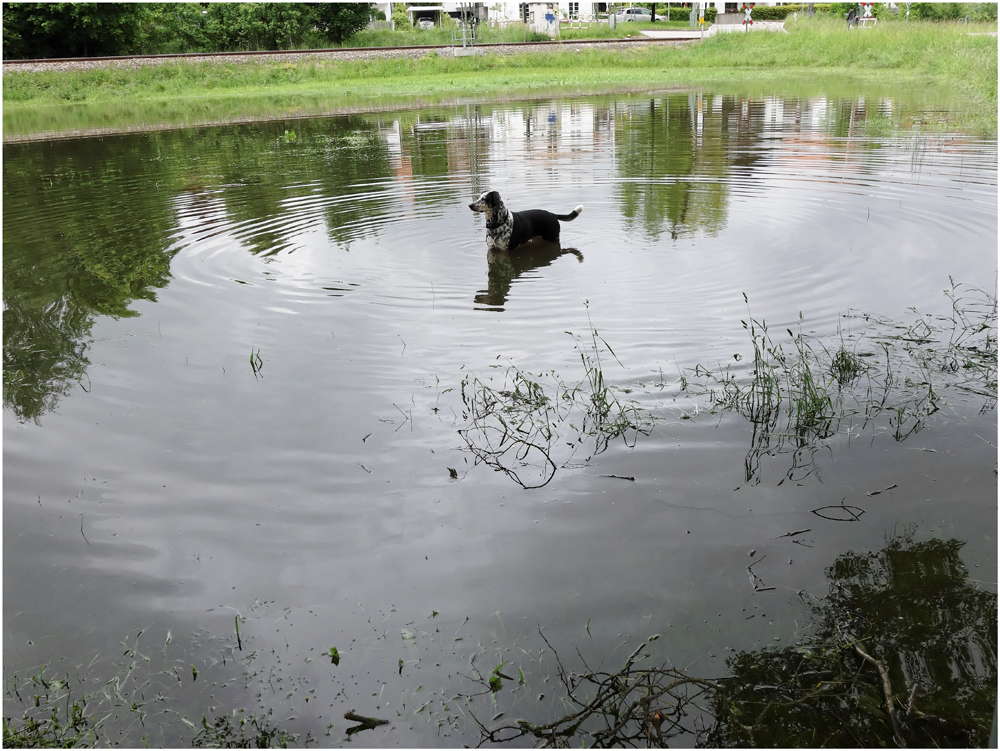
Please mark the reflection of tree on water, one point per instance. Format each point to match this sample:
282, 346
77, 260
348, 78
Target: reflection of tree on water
505, 267
43, 354
673, 161
65, 263
911, 608
907, 612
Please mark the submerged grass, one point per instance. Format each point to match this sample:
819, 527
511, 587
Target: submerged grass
927, 54
140, 704
532, 425
798, 394
889, 378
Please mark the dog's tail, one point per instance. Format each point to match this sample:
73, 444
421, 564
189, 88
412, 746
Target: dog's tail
571, 216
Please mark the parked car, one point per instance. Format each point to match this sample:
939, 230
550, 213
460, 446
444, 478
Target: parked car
425, 23
634, 14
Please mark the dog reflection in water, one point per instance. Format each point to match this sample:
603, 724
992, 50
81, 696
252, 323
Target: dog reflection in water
505, 267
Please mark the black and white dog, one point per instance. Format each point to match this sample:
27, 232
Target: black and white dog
505, 229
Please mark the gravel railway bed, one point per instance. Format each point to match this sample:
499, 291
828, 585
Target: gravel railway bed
355, 53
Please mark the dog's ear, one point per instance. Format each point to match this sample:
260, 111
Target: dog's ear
492, 198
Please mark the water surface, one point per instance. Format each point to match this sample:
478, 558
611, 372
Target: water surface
234, 356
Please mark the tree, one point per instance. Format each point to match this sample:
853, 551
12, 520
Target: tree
73, 29
257, 26
177, 28
340, 21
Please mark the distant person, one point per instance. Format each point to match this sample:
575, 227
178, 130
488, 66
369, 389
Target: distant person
852, 18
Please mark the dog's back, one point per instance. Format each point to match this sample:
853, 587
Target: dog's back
506, 229
538, 223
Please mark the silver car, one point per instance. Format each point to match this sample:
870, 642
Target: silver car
634, 14
425, 23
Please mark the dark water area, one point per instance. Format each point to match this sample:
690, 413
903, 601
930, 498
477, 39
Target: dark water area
241, 367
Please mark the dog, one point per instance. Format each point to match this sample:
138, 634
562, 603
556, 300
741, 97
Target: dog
506, 229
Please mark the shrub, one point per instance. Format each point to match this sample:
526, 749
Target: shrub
817, 7
399, 18
770, 12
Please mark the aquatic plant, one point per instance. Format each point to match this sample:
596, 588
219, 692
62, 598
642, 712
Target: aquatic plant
523, 427
887, 377
256, 363
136, 706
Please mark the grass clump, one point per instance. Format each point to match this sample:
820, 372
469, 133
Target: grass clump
61, 722
846, 367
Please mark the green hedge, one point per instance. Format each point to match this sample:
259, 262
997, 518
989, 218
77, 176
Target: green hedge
771, 12
801, 8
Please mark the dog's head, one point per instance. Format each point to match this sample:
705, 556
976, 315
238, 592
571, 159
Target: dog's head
488, 203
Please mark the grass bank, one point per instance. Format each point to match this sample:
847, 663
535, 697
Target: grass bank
918, 55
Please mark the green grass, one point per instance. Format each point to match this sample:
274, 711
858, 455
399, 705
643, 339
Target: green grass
915, 55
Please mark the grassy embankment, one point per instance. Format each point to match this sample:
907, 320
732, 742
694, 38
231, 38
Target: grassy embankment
932, 60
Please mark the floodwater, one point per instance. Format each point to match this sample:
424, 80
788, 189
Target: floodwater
234, 367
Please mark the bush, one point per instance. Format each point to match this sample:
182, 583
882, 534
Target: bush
982, 11
818, 8
250, 26
338, 22
944, 11
771, 12
400, 20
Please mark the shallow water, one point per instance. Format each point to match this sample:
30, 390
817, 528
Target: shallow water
234, 358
